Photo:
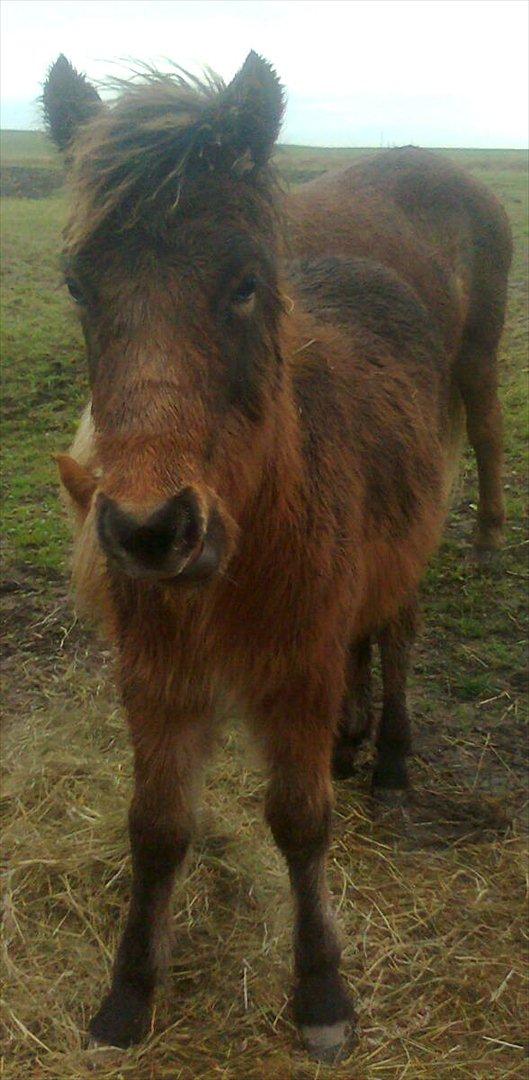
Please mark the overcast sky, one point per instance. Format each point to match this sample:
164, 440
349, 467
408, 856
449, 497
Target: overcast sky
357, 72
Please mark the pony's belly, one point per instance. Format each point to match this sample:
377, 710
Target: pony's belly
392, 576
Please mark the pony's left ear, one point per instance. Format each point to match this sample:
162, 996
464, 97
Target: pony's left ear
257, 96
68, 100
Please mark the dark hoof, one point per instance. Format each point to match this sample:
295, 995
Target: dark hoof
344, 760
329, 1043
324, 1016
346, 753
123, 1020
390, 774
485, 558
391, 798
488, 543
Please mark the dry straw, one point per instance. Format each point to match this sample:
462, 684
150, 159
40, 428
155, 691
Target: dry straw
431, 905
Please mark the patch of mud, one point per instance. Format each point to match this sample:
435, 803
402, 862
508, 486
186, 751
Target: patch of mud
35, 614
41, 639
24, 182
434, 820
489, 759
469, 787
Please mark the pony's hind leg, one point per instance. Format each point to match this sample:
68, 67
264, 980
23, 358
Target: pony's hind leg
477, 380
485, 429
298, 739
357, 710
475, 369
393, 742
167, 751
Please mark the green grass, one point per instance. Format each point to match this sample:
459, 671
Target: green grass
29, 149
43, 376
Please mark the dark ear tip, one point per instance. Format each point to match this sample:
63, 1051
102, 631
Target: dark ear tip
61, 64
253, 59
255, 64
68, 100
260, 100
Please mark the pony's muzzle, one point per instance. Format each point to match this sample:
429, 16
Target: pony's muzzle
176, 539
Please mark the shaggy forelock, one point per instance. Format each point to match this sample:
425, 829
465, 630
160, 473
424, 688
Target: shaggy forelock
135, 154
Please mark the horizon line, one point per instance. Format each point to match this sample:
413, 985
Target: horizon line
314, 146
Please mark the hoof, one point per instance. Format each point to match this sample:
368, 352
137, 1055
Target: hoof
390, 774
344, 761
391, 798
328, 1043
485, 558
324, 1015
123, 1020
488, 542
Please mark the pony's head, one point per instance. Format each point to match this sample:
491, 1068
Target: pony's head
170, 257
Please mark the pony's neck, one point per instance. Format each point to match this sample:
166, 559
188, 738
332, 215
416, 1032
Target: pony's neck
278, 493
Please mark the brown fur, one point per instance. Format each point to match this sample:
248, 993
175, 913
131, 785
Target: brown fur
314, 432
449, 238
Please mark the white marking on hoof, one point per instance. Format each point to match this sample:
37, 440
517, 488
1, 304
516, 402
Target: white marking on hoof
326, 1042
93, 1044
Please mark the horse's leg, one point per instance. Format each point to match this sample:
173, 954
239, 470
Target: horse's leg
357, 713
478, 383
167, 756
393, 743
299, 742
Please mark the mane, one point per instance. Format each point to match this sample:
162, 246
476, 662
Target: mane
131, 159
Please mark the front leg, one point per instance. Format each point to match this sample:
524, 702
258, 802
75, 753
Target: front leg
299, 743
168, 750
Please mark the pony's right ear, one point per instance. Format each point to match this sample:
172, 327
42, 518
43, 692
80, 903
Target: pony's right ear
68, 100
78, 481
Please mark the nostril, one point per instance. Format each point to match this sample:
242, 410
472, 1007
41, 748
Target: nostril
184, 513
115, 527
177, 523
148, 544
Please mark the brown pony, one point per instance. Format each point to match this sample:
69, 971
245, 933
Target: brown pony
263, 471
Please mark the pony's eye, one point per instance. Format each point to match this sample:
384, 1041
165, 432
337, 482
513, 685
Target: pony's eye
74, 290
244, 294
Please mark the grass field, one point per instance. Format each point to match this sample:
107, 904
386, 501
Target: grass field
432, 908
